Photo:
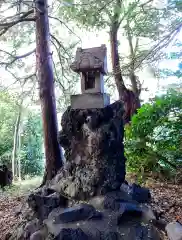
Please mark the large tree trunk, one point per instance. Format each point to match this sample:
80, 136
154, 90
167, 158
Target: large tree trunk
46, 91
129, 98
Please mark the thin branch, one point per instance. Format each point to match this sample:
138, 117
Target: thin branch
7, 25
62, 86
62, 23
18, 80
133, 7
166, 40
59, 44
60, 60
15, 58
144, 4
128, 12
58, 52
105, 5
21, 18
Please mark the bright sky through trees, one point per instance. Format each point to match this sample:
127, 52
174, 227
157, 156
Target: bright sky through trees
92, 39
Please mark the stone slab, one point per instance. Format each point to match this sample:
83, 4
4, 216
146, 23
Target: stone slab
76, 213
174, 231
90, 100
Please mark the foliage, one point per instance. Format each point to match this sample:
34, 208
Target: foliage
18, 37
31, 154
147, 29
31, 139
174, 55
7, 122
153, 141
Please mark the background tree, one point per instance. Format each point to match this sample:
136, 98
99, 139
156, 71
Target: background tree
8, 118
15, 166
137, 21
19, 40
31, 150
47, 91
28, 159
23, 18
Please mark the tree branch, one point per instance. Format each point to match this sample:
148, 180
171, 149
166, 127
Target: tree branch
58, 43
61, 22
164, 41
15, 58
7, 25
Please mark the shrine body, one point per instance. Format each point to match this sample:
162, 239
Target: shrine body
91, 65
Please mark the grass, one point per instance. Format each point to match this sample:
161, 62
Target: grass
22, 188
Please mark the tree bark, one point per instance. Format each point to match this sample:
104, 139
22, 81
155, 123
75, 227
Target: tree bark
46, 91
19, 150
130, 98
115, 60
133, 78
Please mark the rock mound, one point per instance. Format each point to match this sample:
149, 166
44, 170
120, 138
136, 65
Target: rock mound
93, 143
89, 198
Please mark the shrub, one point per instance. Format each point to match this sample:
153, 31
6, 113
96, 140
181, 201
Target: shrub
153, 140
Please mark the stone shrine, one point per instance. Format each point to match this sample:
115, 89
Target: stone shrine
91, 64
89, 198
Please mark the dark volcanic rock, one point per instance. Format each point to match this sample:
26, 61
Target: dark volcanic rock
93, 143
37, 236
43, 205
76, 213
111, 200
71, 234
109, 236
30, 228
136, 192
139, 231
140, 194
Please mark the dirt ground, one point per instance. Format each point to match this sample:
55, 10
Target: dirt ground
166, 200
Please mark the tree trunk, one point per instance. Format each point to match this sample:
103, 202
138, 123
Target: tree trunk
115, 60
46, 91
133, 78
19, 150
130, 99
15, 143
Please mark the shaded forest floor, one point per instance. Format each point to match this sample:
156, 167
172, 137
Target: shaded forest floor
11, 201
166, 200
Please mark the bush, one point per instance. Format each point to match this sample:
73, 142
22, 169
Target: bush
153, 141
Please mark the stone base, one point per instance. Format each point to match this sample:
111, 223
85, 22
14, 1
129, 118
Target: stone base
89, 198
90, 100
114, 216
